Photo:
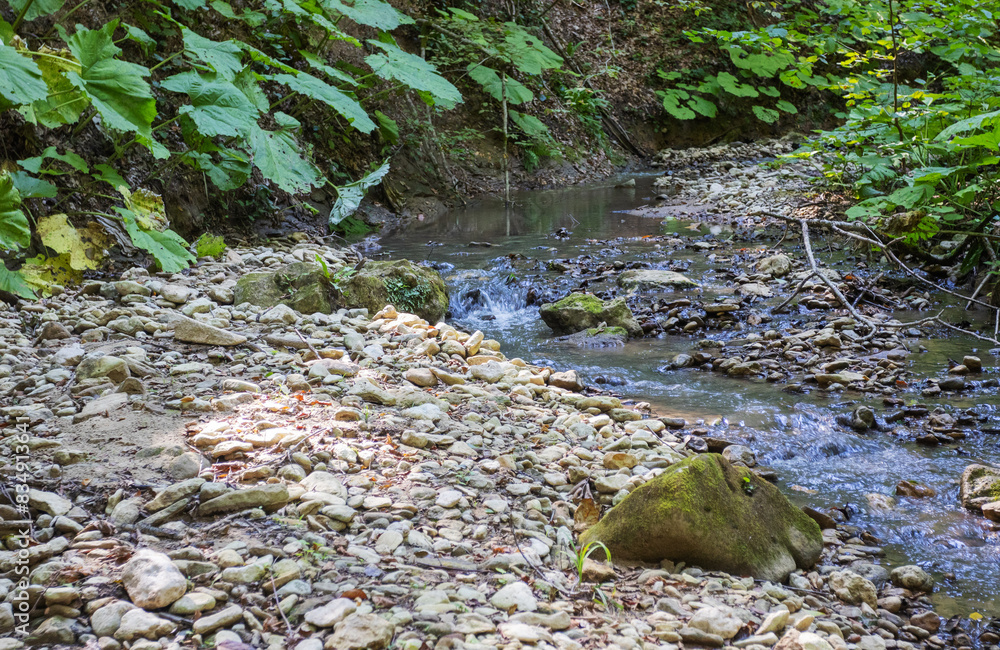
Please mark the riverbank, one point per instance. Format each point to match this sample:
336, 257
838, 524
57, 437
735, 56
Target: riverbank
339, 479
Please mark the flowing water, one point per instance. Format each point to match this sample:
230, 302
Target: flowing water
794, 433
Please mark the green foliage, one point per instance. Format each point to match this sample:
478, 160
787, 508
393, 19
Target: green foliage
14, 229
116, 88
349, 199
915, 84
210, 246
580, 555
234, 110
503, 58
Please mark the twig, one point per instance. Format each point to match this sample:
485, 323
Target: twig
277, 604
828, 282
308, 344
798, 290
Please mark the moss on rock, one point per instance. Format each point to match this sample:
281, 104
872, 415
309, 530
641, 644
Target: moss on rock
708, 512
302, 286
402, 284
579, 312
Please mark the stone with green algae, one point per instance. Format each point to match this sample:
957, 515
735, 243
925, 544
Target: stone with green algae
706, 512
579, 312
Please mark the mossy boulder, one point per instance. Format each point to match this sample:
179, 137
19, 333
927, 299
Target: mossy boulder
402, 284
654, 280
980, 485
302, 286
579, 312
708, 512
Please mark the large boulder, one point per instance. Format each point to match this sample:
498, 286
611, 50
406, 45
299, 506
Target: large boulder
402, 284
980, 486
583, 311
708, 512
303, 286
654, 280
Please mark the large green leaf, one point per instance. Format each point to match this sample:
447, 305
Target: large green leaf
491, 82
168, 248
217, 106
14, 229
317, 89
223, 57
116, 88
374, 13
731, 84
278, 157
329, 71
13, 282
30, 187
529, 124
37, 8
229, 171
527, 52
74, 160
349, 196
64, 102
412, 71
20, 79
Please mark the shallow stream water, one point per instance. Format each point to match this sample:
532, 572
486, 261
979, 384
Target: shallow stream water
818, 462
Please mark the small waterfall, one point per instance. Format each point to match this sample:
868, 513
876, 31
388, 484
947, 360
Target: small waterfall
492, 295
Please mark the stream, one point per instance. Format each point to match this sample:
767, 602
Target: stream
818, 463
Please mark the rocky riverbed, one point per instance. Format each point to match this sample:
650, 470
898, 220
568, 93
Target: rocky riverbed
202, 473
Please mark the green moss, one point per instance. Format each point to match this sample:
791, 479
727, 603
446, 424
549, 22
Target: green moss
403, 284
607, 331
585, 301
699, 511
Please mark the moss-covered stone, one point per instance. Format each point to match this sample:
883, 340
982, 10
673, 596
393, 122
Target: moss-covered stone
579, 312
980, 485
707, 512
402, 284
302, 286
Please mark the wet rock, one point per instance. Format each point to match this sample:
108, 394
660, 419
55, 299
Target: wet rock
744, 526
952, 383
777, 266
152, 581
880, 502
578, 312
980, 485
401, 283
974, 364
911, 489
189, 330
651, 280
862, 418
912, 577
